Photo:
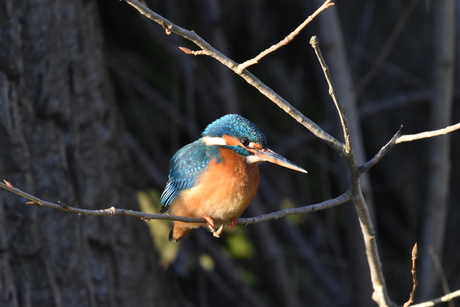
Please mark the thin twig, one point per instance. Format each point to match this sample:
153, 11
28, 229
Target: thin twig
207, 49
343, 120
286, 40
414, 276
427, 134
382, 152
442, 299
296, 211
112, 211
380, 295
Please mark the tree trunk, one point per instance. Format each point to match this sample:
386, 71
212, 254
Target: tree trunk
61, 140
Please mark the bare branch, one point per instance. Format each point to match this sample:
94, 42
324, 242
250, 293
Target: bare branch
112, 211
296, 211
380, 295
383, 151
343, 120
245, 74
427, 134
442, 299
414, 276
287, 39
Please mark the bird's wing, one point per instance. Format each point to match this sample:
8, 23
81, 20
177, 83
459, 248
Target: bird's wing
186, 167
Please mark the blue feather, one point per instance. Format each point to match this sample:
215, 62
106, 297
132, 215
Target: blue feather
237, 126
186, 167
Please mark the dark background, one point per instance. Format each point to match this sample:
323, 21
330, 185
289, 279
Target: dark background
140, 99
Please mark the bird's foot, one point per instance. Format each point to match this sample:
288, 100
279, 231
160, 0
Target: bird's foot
211, 226
232, 223
218, 232
209, 221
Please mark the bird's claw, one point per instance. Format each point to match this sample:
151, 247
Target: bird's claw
232, 223
218, 232
211, 226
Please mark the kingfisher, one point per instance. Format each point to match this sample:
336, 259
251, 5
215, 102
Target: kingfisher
216, 177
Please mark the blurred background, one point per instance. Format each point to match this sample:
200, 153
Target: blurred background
393, 63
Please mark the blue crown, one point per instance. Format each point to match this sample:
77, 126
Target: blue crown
237, 126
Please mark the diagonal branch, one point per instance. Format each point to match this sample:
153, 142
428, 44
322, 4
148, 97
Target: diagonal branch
207, 49
296, 211
382, 152
343, 120
287, 39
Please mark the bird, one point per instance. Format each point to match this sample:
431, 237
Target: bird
216, 177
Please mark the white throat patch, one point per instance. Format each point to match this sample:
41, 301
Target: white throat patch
251, 159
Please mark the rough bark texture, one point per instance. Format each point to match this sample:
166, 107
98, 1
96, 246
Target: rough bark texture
61, 139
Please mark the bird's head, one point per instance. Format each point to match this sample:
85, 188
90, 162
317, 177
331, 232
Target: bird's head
240, 135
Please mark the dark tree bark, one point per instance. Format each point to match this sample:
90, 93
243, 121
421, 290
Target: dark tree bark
61, 139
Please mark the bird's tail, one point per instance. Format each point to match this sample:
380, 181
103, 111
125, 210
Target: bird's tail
180, 229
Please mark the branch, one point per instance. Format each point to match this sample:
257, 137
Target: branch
112, 211
427, 134
383, 151
207, 49
414, 276
287, 39
442, 299
343, 120
398, 138
380, 295
296, 211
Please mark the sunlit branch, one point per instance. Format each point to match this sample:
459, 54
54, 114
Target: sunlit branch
427, 134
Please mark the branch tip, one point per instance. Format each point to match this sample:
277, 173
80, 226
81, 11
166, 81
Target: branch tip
415, 251
186, 50
314, 41
8, 183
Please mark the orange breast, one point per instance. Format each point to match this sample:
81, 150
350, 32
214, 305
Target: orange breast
223, 192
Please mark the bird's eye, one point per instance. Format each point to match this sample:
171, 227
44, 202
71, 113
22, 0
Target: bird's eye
244, 141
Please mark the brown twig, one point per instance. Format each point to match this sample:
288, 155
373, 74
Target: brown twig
414, 276
286, 40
